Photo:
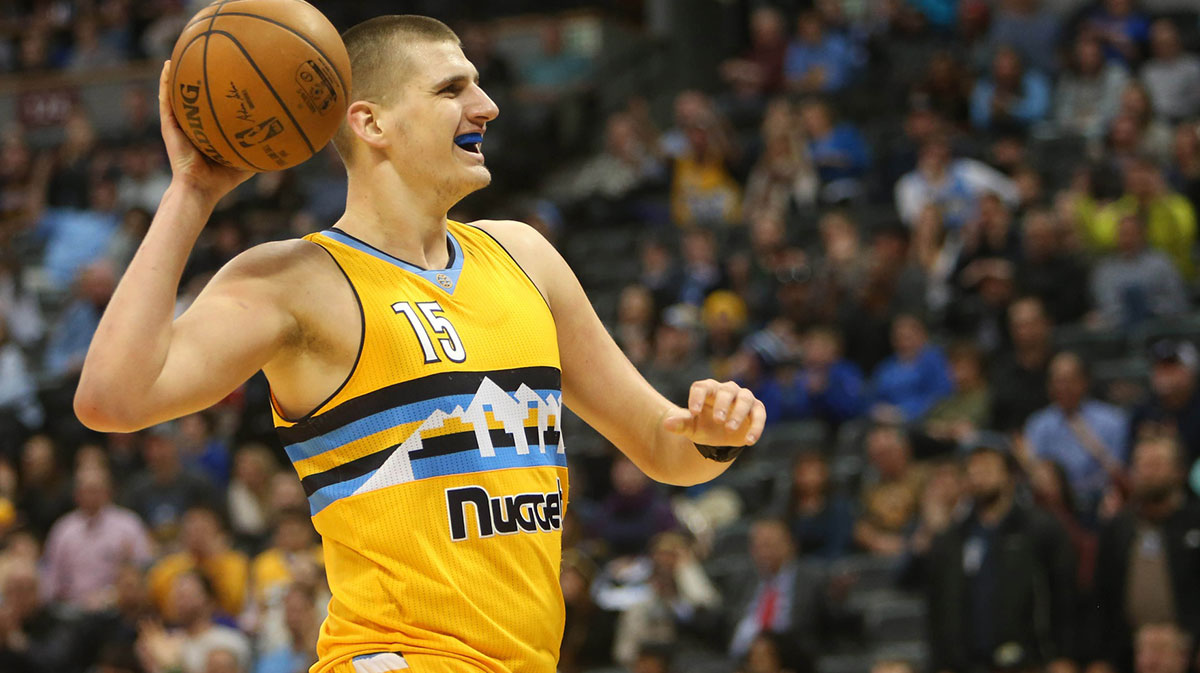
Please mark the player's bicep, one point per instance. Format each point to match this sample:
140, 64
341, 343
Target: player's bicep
232, 330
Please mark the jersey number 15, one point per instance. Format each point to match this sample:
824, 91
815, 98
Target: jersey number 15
439, 326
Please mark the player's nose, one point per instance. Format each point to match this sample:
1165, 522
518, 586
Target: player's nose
482, 108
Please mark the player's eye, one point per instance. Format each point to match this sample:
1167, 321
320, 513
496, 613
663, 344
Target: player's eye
453, 89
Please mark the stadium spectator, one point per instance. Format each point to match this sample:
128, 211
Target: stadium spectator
1184, 171
71, 335
303, 622
1171, 75
1121, 28
905, 386
1018, 378
966, 411
1084, 435
703, 190
1013, 97
818, 60
676, 353
1170, 220
838, 152
86, 548
143, 179
892, 285
1052, 493
759, 70
623, 168
1048, 269
1148, 568
780, 595
70, 178
1001, 587
1088, 93
162, 492
88, 50
588, 634
1149, 134
1135, 284
248, 500
820, 518
193, 606
202, 450
45, 490
294, 558
682, 602
784, 181
891, 494
20, 410
953, 185
1030, 29
634, 512
826, 387
109, 635
34, 625
204, 549
1173, 408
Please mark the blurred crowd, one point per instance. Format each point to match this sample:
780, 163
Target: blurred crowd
950, 244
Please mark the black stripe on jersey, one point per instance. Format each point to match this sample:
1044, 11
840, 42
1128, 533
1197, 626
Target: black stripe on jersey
346, 471
418, 390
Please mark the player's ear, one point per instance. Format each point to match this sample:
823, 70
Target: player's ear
363, 118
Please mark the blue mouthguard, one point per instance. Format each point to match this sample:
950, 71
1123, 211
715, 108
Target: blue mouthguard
468, 139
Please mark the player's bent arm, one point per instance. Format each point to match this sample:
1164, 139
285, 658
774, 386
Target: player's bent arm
144, 368
603, 387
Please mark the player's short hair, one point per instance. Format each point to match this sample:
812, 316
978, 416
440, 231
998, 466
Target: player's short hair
379, 60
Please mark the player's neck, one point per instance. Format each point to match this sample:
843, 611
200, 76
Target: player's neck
388, 214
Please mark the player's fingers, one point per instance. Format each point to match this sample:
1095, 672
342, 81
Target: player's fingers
722, 401
699, 394
743, 402
165, 115
758, 418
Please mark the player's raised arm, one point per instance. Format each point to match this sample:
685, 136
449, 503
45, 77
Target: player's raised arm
665, 441
141, 367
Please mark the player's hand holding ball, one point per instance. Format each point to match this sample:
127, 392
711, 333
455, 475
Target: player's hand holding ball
188, 166
721, 419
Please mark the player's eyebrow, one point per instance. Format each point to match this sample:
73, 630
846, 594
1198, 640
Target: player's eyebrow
460, 78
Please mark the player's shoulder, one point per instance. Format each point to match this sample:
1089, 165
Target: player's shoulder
511, 233
284, 260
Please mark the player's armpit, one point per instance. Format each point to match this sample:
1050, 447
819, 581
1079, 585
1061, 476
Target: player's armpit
238, 324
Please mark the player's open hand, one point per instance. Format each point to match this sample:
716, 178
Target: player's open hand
718, 414
188, 164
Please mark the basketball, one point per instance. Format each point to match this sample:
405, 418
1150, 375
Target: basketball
259, 85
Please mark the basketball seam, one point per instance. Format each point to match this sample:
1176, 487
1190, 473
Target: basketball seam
230, 2
322, 54
266, 83
208, 94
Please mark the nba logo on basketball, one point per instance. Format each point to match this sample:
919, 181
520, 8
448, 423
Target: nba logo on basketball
444, 281
256, 134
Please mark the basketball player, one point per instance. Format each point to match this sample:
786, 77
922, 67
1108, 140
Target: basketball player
418, 368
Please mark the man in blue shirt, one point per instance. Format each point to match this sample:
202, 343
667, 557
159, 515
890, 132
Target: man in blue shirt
1086, 437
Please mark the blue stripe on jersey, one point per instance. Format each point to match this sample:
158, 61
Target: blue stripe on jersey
328, 495
386, 420
466, 462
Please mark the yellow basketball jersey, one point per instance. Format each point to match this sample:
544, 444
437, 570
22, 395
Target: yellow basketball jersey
436, 475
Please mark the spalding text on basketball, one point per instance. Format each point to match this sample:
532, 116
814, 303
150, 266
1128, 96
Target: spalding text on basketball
190, 93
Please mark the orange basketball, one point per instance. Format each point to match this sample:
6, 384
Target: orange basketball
259, 85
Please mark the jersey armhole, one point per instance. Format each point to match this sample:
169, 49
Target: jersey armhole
514, 259
362, 339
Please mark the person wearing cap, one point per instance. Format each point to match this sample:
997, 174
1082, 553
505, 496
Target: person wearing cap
1174, 406
1001, 580
1148, 566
